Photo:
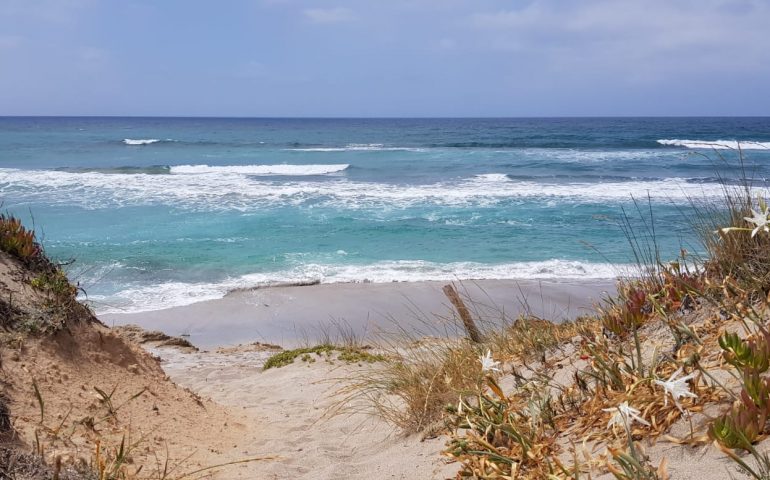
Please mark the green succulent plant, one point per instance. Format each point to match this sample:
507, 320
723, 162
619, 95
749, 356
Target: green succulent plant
756, 389
740, 427
746, 354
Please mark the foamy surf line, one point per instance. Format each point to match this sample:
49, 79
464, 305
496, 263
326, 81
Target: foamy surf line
144, 141
176, 294
243, 191
357, 147
283, 169
716, 144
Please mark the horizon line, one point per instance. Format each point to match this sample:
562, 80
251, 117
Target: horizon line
312, 117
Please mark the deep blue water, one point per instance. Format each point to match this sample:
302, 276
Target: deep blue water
166, 211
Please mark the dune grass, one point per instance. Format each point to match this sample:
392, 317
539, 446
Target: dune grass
653, 355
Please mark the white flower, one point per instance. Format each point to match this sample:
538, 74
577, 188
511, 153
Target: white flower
677, 387
760, 220
487, 364
625, 415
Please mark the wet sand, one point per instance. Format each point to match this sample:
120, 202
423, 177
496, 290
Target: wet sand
295, 315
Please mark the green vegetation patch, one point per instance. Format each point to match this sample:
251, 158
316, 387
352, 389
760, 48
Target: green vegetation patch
346, 354
351, 355
16, 240
56, 283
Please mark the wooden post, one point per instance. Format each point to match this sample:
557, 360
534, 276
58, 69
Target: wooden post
465, 315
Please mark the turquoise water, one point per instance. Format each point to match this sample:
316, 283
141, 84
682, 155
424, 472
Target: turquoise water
160, 212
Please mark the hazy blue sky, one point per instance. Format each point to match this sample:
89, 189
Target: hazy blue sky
385, 57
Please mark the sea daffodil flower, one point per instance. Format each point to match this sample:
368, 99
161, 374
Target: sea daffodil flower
487, 364
760, 220
676, 387
625, 415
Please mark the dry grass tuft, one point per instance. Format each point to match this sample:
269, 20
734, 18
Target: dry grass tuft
647, 360
501, 440
16, 464
424, 376
412, 388
529, 337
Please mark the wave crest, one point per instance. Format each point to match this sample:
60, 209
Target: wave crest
493, 177
141, 141
358, 147
288, 170
248, 192
716, 144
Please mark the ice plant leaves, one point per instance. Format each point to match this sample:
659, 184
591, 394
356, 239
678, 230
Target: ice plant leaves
17, 240
746, 354
740, 427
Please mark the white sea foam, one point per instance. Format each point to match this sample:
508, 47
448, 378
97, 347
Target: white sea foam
289, 170
317, 149
92, 190
156, 297
717, 144
140, 141
175, 294
357, 147
582, 156
493, 177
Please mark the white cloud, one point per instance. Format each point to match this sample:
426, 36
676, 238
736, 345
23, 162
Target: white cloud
633, 35
329, 15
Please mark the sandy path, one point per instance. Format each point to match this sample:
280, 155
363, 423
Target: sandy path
288, 406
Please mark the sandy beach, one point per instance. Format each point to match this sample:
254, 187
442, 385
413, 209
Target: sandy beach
289, 316
293, 411
292, 414
360, 240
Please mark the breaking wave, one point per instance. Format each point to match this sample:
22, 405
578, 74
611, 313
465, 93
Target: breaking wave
242, 192
141, 141
493, 177
176, 294
357, 147
288, 170
717, 144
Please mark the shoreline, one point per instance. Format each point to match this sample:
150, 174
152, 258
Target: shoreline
295, 315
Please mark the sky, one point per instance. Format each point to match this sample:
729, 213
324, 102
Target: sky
385, 58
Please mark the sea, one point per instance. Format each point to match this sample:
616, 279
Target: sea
151, 213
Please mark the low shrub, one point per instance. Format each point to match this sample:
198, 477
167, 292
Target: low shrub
346, 354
